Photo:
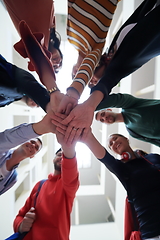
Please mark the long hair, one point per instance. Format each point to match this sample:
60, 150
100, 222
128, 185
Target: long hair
54, 42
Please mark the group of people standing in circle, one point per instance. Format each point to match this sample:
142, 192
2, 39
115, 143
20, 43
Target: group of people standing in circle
88, 23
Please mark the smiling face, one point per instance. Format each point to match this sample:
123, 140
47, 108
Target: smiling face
106, 116
118, 143
31, 147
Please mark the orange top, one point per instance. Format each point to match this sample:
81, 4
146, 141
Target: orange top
87, 28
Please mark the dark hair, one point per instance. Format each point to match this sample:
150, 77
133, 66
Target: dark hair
103, 61
58, 151
40, 142
120, 135
54, 42
117, 134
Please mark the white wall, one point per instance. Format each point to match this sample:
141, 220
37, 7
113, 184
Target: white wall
103, 231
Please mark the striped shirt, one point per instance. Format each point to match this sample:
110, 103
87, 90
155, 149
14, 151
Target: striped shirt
87, 27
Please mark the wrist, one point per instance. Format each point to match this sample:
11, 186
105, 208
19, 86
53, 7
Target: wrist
72, 92
95, 98
53, 89
68, 152
39, 128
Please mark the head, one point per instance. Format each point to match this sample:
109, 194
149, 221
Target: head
57, 160
54, 48
29, 102
30, 148
118, 144
99, 71
106, 116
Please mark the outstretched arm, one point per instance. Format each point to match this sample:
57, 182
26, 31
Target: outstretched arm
69, 166
96, 148
45, 125
42, 64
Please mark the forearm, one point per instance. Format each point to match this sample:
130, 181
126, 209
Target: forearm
13, 137
86, 70
94, 99
116, 101
40, 128
69, 152
28, 85
96, 148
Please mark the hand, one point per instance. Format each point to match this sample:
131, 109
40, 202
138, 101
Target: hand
28, 220
55, 99
69, 101
68, 148
67, 104
57, 121
46, 125
78, 121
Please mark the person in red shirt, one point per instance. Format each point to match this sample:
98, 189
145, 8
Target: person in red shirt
51, 215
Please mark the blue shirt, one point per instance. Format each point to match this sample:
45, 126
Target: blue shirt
9, 139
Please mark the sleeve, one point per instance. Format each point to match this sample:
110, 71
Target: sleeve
114, 165
12, 137
28, 85
28, 204
86, 70
70, 176
119, 100
128, 59
7, 178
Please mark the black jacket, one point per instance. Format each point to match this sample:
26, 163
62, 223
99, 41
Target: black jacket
139, 46
16, 82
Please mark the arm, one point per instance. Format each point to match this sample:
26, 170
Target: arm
22, 221
86, 69
13, 137
70, 173
83, 76
28, 85
42, 64
27, 221
119, 100
103, 155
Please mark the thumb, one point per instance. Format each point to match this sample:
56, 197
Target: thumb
32, 209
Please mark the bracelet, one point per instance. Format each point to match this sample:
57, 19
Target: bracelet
54, 89
71, 96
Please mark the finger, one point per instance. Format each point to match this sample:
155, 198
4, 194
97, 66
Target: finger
77, 135
84, 133
58, 117
68, 119
69, 108
30, 215
74, 134
67, 134
32, 209
60, 130
58, 124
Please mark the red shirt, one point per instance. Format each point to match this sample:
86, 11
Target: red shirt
53, 206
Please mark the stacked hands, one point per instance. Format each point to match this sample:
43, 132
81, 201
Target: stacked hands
71, 119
